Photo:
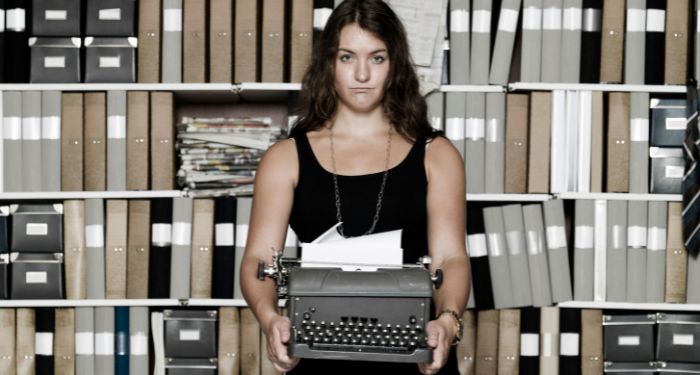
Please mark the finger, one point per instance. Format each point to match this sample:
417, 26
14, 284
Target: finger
280, 348
433, 335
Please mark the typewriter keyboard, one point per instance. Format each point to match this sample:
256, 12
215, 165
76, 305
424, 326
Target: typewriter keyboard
361, 334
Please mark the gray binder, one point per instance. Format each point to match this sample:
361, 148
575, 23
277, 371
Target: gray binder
436, 109
532, 41
51, 141
551, 40
31, 140
243, 208
139, 340
84, 341
498, 258
656, 251
104, 340
517, 254
600, 250
616, 260
639, 143
537, 255
459, 42
495, 143
172, 42
480, 43
181, 248
584, 237
12, 141
557, 251
693, 284
474, 145
635, 34
505, 39
95, 248
571, 41
455, 117
116, 139
636, 251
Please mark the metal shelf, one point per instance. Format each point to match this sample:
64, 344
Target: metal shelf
472, 88
166, 302
630, 306
536, 86
508, 197
622, 196
56, 195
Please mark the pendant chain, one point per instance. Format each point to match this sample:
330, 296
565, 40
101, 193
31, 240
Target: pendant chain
380, 196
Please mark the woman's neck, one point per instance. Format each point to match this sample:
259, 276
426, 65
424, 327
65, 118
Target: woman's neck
348, 122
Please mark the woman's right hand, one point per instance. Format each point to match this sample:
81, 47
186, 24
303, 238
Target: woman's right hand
278, 332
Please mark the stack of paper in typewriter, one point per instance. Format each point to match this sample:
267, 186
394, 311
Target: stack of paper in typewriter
219, 156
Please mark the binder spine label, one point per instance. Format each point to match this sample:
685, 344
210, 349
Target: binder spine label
572, 18
656, 239
94, 235
584, 237
182, 233
321, 17
496, 245
172, 20
241, 234
31, 128
116, 127
43, 343
481, 21
547, 344
477, 245
656, 20
161, 234
591, 20
454, 128
104, 343
12, 128
475, 129
514, 240
51, 127
84, 343
534, 242
639, 130
551, 19
532, 18
138, 344
636, 19
2, 20
224, 234
556, 237
636, 236
15, 19
568, 344
55, 15
529, 344
493, 131
459, 21
508, 21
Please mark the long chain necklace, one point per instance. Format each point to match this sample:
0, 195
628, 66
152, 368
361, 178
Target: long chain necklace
380, 196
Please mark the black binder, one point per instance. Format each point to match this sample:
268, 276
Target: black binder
529, 335
570, 336
2, 44
590, 41
159, 256
45, 328
481, 274
16, 52
223, 271
654, 50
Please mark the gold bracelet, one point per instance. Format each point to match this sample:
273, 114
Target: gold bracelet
458, 320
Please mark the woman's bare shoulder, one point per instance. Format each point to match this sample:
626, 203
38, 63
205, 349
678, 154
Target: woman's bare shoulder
280, 160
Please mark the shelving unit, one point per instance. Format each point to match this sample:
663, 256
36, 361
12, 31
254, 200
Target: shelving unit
535, 86
622, 196
630, 306
193, 302
508, 197
60, 195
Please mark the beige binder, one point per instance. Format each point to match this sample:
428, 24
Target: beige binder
272, 41
591, 342
95, 141
676, 256
7, 341
250, 347
676, 51
516, 143
115, 249
137, 140
538, 158
300, 38
508, 341
487, 342
612, 41
597, 142
246, 41
149, 41
229, 362
162, 141
549, 341
202, 247
194, 37
71, 142
24, 341
618, 142
138, 244
64, 341
466, 349
220, 41
75, 257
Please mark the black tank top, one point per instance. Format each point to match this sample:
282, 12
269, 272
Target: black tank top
403, 206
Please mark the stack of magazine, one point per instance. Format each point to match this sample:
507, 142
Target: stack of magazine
219, 156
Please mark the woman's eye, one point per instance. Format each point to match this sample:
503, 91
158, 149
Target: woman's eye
345, 58
378, 59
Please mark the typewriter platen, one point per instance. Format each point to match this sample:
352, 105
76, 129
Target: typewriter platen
356, 315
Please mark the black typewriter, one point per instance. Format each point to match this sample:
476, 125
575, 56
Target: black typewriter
356, 315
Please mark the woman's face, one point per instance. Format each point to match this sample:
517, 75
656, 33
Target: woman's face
361, 68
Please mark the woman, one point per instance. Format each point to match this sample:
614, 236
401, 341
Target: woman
362, 153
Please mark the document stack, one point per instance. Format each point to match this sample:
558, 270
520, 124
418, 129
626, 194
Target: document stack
220, 155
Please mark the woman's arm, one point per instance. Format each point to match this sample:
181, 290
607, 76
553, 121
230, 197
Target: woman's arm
275, 180
446, 240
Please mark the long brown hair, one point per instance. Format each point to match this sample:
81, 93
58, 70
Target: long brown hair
402, 103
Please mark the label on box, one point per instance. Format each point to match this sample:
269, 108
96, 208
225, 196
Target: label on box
111, 14
54, 62
675, 123
55, 15
628, 341
189, 335
683, 339
674, 171
2, 20
109, 62
33, 277
36, 229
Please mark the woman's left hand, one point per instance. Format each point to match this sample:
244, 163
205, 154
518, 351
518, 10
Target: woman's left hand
440, 334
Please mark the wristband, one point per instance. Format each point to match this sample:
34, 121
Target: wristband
460, 324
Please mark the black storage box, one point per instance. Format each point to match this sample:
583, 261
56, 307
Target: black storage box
56, 17
36, 276
668, 119
181, 366
190, 334
630, 368
629, 338
667, 168
54, 60
37, 228
110, 60
110, 18
678, 337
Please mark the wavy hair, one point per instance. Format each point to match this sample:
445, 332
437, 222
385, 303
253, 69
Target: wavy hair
403, 104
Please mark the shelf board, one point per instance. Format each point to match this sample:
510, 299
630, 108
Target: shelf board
55, 195
622, 196
165, 302
472, 88
509, 197
536, 86
630, 306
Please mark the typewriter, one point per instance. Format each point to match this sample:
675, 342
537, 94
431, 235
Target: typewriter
356, 315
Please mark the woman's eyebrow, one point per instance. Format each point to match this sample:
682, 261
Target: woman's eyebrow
353, 52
